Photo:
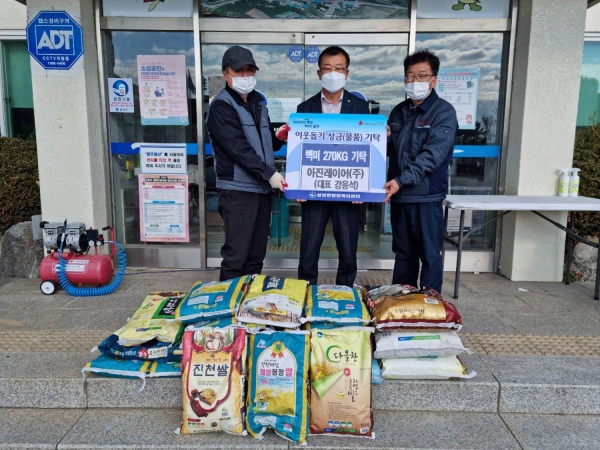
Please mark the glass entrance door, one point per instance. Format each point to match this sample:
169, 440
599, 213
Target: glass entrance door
288, 76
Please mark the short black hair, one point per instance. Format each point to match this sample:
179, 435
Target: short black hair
334, 50
423, 56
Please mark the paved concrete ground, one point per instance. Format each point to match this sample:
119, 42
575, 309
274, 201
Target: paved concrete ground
536, 350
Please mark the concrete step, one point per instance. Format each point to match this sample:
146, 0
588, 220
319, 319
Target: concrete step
98, 428
514, 384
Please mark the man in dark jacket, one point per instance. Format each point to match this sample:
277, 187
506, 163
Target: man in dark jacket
243, 143
422, 134
332, 99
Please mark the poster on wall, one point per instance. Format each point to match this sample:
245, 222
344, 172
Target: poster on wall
120, 95
163, 89
460, 87
462, 9
163, 208
162, 158
336, 157
281, 108
147, 8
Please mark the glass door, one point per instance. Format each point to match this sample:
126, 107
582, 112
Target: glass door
288, 76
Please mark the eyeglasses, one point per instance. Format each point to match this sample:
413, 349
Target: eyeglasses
419, 77
330, 69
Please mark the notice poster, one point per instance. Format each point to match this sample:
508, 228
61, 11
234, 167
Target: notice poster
281, 108
163, 89
164, 208
460, 87
163, 158
120, 95
336, 157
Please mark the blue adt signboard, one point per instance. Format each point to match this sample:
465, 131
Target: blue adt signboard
54, 40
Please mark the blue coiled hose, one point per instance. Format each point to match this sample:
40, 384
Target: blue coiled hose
91, 291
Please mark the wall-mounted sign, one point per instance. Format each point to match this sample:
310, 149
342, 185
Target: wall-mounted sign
164, 208
463, 9
460, 87
296, 53
54, 40
147, 8
120, 95
162, 158
163, 89
311, 54
336, 157
281, 108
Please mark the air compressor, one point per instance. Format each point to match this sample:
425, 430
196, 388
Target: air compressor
70, 264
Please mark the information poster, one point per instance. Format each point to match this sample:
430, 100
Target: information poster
163, 158
281, 108
336, 157
121, 95
163, 89
460, 87
164, 208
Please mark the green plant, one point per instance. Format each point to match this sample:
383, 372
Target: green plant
586, 157
19, 191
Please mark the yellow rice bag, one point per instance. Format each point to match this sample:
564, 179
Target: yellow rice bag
340, 377
154, 319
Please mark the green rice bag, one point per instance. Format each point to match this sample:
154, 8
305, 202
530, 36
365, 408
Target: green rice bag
277, 386
212, 300
331, 303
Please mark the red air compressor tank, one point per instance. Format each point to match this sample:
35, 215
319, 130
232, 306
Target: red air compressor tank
91, 270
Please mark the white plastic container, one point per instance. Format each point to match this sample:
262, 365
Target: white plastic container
574, 183
563, 183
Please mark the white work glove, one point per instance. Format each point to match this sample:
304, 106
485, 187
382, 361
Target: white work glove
278, 182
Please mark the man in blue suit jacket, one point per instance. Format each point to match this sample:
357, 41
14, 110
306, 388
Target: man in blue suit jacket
333, 99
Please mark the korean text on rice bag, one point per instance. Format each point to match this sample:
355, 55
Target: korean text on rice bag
340, 378
273, 301
212, 300
153, 320
277, 384
403, 306
151, 351
425, 368
326, 302
213, 375
412, 343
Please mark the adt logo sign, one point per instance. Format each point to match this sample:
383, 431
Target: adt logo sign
54, 40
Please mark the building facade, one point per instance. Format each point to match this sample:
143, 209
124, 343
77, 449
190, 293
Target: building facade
523, 58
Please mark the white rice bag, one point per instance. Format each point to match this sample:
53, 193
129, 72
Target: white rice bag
411, 343
424, 368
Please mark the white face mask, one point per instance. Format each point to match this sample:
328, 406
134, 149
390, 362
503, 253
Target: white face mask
418, 90
333, 81
243, 85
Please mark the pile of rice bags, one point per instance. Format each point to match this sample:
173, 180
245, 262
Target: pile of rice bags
416, 333
330, 306
149, 345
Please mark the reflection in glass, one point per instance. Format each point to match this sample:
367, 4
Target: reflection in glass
314, 9
122, 49
472, 170
589, 91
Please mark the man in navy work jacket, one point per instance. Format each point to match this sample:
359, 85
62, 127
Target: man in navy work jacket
422, 131
333, 99
243, 143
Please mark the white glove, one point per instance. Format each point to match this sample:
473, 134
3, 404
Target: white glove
278, 182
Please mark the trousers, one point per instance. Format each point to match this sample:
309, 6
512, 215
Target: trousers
418, 235
346, 222
246, 216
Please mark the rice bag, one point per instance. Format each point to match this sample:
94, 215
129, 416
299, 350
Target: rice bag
222, 322
153, 350
412, 343
323, 325
273, 301
212, 300
277, 384
151, 320
123, 368
403, 306
425, 368
331, 303
340, 378
213, 375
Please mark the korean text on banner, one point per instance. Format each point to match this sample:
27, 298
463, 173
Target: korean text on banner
336, 157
